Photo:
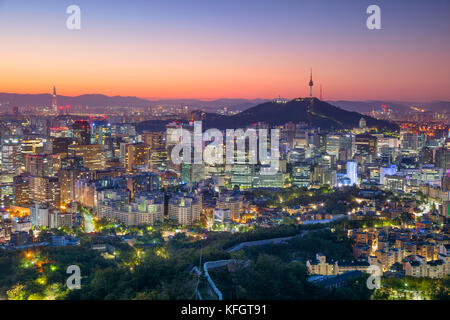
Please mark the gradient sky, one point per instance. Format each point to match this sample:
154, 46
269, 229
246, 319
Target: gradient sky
210, 49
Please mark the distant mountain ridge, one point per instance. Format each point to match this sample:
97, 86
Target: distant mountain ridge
100, 100
368, 106
438, 106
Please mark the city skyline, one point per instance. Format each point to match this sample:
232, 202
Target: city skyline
207, 50
213, 152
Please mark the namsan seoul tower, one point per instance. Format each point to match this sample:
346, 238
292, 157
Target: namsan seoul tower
311, 84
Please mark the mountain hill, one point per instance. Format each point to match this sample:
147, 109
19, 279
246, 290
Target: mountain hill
312, 111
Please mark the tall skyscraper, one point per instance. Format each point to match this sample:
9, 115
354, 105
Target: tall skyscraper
54, 102
21, 187
15, 111
11, 150
352, 172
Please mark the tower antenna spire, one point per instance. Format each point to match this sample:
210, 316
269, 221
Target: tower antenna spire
320, 92
311, 84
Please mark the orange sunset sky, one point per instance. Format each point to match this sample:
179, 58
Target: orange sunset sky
227, 49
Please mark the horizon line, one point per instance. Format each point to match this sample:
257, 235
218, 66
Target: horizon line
202, 99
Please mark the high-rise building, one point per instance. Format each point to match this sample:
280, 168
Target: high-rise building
387, 171
39, 165
352, 172
337, 142
262, 180
324, 175
158, 152
192, 172
112, 148
92, 155
100, 132
45, 190
296, 155
301, 175
59, 219
231, 202
366, 146
395, 183
173, 137
34, 145
61, 145
143, 182
431, 175
411, 141
39, 215
10, 154
123, 130
333, 143
54, 102
81, 132
15, 111
67, 178
242, 175
443, 158
21, 189
72, 162
155, 140
185, 209
136, 156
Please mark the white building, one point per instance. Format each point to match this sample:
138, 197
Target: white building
185, 209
